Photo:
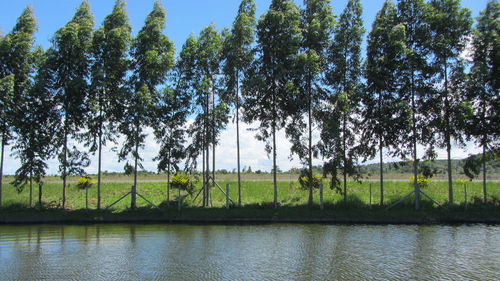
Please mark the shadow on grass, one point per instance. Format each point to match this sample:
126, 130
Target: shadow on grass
354, 208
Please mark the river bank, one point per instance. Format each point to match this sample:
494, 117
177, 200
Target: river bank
489, 214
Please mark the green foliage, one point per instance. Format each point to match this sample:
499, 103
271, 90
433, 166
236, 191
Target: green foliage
204, 55
317, 23
271, 94
381, 111
182, 182
337, 143
152, 55
68, 62
306, 182
484, 83
85, 182
237, 50
472, 165
110, 62
450, 27
422, 181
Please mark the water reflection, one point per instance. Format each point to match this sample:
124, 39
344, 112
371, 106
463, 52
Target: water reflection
270, 252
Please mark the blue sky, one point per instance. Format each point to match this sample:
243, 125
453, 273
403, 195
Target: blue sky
183, 18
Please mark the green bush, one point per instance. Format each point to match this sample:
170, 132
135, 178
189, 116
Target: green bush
182, 182
305, 181
85, 182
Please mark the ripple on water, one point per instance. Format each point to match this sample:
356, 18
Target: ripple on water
270, 252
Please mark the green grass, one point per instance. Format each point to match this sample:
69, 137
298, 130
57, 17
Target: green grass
254, 193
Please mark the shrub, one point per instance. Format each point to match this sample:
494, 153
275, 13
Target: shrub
182, 182
305, 181
421, 180
85, 182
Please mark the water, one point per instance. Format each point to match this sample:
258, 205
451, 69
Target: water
264, 252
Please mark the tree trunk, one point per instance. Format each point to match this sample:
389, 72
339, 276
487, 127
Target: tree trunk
310, 201
40, 189
484, 170
31, 189
213, 136
207, 144
99, 171
274, 151
448, 136
381, 146
483, 117
414, 140
238, 135
65, 161
203, 169
133, 203
1, 167
168, 179
345, 156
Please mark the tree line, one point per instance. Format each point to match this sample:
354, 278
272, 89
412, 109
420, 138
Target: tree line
428, 78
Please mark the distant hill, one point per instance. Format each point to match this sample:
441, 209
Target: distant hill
441, 167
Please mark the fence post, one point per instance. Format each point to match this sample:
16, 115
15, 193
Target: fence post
321, 196
227, 195
370, 195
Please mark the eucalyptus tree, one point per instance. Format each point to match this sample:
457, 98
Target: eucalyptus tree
450, 27
317, 27
204, 54
270, 91
209, 59
381, 111
484, 84
6, 90
416, 85
238, 53
69, 59
36, 119
344, 77
171, 112
152, 55
16, 64
110, 63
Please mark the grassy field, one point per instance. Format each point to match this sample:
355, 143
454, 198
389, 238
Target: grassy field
257, 193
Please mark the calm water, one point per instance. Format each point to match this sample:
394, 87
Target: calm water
268, 252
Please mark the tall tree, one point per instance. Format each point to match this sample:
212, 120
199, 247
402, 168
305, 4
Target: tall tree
450, 26
171, 113
238, 54
16, 65
6, 90
110, 63
152, 58
381, 110
416, 77
344, 77
317, 27
69, 57
35, 120
205, 53
484, 84
270, 91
